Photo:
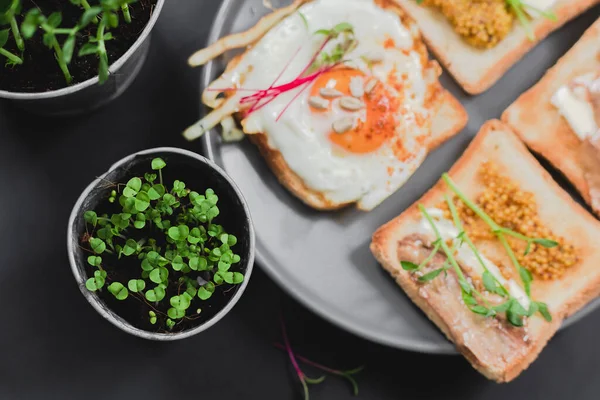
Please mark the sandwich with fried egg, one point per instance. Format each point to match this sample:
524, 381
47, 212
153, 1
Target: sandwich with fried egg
339, 96
559, 117
484, 255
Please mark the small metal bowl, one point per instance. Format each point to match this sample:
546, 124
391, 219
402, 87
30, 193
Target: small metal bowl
199, 173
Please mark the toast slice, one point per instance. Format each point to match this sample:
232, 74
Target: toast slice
497, 350
477, 70
447, 116
539, 123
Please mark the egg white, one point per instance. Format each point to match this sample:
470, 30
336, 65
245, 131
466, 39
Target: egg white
301, 135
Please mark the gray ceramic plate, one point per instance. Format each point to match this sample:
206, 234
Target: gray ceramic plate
323, 259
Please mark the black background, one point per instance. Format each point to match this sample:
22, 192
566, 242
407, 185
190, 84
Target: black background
55, 346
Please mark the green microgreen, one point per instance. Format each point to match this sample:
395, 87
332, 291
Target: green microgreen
59, 39
347, 43
305, 381
519, 8
472, 298
183, 255
304, 19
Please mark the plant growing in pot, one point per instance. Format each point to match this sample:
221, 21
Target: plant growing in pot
157, 258
60, 56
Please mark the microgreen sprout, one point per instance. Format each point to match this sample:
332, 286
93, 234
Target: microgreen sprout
184, 262
305, 381
8, 11
472, 298
345, 374
501, 233
303, 17
519, 8
320, 63
11, 58
62, 40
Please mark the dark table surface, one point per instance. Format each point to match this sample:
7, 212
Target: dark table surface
55, 346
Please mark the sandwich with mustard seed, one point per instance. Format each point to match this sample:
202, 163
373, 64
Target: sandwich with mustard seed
484, 255
559, 117
479, 40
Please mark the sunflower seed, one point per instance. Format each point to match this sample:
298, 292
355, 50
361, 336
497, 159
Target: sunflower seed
318, 102
370, 85
343, 125
330, 93
351, 103
357, 85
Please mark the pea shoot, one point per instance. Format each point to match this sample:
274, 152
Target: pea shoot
472, 298
182, 254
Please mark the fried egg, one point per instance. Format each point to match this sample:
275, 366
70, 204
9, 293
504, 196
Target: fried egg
356, 132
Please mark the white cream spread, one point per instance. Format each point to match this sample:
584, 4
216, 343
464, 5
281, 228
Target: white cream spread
573, 101
465, 256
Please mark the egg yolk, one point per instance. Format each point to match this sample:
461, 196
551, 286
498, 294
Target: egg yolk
367, 136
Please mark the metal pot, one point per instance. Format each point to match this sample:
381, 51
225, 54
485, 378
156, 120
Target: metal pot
201, 173
88, 95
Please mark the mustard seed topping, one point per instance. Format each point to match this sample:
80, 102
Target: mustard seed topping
482, 23
515, 209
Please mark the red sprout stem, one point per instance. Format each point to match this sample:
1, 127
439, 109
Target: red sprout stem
269, 94
232, 89
291, 352
285, 67
314, 58
288, 105
311, 363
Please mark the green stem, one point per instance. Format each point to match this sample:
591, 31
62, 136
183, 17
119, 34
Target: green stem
436, 248
482, 214
497, 229
515, 262
517, 7
100, 36
450, 256
10, 56
64, 31
476, 209
86, 6
126, 14
516, 235
438, 235
467, 239
61, 63
17, 34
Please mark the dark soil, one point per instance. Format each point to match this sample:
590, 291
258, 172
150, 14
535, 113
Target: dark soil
135, 308
40, 71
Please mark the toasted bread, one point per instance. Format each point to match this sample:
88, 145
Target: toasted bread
476, 70
500, 353
448, 118
539, 123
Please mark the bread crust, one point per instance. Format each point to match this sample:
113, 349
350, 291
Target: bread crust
540, 125
477, 70
497, 143
449, 118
